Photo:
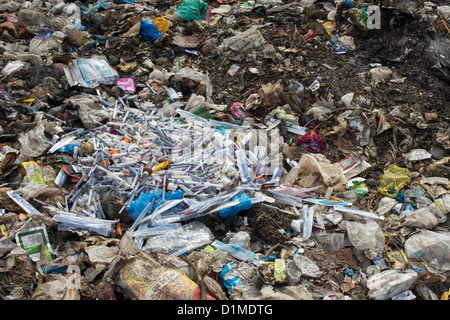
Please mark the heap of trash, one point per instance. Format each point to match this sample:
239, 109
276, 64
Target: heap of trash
224, 150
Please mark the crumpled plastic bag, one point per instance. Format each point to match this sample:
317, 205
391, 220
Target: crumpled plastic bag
149, 31
138, 205
307, 267
393, 180
195, 75
431, 246
57, 287
190, 237
427, 218
330, 173
33, 143
102, 254
242, 281
364, 236
270, 94
298, 292
90, 111
247, 40
11, 255
389, 283
385, 205
244, 204
190, 10
319, 112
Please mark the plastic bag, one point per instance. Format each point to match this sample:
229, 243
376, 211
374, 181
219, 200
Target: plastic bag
162, 24
101, 254
90, 111
307, 267
245, 204
194, 103
296, 292
389, 283
138, 205
55, 287
247, 40
149, 31
242, 281
240, 239
230, 276
364, 236
433, 247
293, 274
42, 43
417, 155
190, 10
393, 180
34, 142
192, 74
175, 243
331, 174
385, 205
426, 218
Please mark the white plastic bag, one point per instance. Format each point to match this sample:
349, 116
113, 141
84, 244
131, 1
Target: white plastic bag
34, 142
307, 267
364, 236
433, 247
426, 218
389, 283
250, 39
191, 236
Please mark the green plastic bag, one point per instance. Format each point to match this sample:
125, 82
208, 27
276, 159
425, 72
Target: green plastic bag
393, 180
190, 10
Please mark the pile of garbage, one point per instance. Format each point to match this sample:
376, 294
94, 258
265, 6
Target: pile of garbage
224, 150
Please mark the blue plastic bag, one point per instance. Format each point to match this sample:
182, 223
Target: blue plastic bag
230, 277
347, 4
95, 8
245, 204
144, 199
69, 148
149, 31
